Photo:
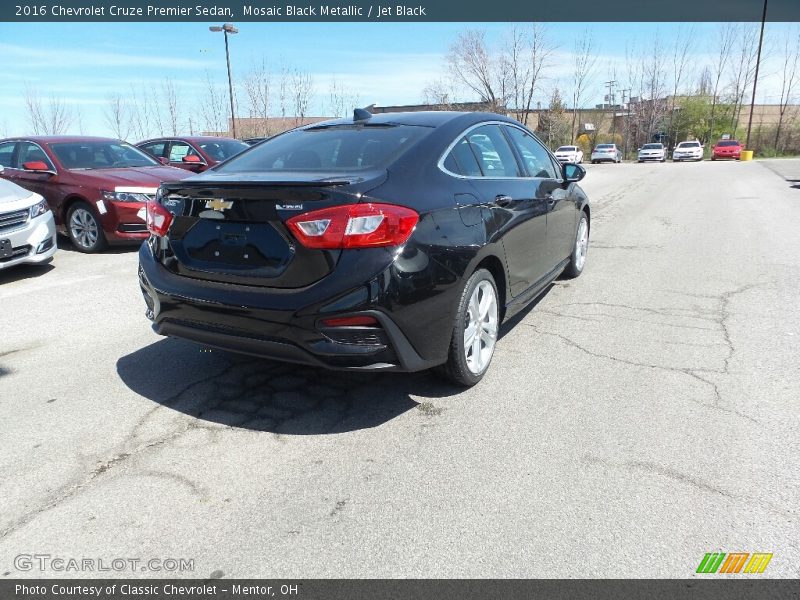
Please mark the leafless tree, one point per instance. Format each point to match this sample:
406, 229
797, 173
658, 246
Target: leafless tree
169, 99
725, 41
50, 117
213, 107
681, 53
341, 100
284, 85
117, 117
789, 78
302, 88
584, 61
743, 66
472, 64
526, 55
258, 85
441, 93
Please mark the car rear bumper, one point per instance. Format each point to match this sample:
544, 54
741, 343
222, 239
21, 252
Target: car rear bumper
259, 323
34, 243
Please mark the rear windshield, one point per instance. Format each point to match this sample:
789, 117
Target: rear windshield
652, 147
728, 143
331, 148
100, 155
604, 146
567, 149
689, 145
222, 149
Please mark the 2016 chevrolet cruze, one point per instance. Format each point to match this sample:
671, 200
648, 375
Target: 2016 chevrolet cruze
396, 241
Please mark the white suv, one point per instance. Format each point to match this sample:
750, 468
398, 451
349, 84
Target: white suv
27, 228
688, 151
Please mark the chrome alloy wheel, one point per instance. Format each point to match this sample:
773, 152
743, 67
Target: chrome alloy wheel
83, 227
582, 244
480, 333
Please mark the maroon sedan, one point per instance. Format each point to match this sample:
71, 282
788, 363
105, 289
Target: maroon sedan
196, 153
96, 187
726, 149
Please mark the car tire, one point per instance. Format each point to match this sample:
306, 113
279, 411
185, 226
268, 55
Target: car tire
84, 229
467, 363
577, 260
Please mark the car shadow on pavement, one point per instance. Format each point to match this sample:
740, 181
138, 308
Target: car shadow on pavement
20, 272
508, 326
262, 395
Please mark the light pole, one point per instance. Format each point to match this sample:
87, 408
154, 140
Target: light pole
755, 78
226, 29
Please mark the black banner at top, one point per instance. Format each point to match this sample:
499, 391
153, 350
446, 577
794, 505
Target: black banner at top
400, 10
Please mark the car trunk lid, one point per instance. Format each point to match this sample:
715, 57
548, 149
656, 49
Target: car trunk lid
232, 229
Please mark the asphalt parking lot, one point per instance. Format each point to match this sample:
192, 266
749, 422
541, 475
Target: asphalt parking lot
634, 419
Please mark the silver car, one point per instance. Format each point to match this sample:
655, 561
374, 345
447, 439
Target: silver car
652, 152
27, 228
606, 153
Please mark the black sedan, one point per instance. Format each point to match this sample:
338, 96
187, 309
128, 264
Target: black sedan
397, 241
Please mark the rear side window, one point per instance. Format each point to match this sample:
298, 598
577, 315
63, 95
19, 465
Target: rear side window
329, 148
462, 160
494, 155
6, 153
155, 148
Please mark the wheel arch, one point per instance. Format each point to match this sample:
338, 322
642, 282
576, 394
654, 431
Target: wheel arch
495, 266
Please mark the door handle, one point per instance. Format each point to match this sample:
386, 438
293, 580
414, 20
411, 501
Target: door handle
503, 200
550, 200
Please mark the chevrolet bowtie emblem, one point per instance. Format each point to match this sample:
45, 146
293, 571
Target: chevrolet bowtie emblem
219, 204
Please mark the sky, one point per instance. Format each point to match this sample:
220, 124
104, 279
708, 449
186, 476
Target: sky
82, 64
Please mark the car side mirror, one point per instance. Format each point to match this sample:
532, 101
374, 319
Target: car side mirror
37, 166
573, 172
193, 159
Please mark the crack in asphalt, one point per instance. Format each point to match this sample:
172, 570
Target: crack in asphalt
77, 485
667, 472
721, 317
249, 396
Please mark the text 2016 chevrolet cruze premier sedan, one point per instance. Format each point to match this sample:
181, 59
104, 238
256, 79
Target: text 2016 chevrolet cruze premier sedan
393, 241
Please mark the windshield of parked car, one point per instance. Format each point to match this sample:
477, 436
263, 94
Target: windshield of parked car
567, 149
728, 143
223, 149
689, 145
652, 147
604, 146
329, 148
100, 155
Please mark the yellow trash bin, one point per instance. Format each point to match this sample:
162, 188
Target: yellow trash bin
746, 155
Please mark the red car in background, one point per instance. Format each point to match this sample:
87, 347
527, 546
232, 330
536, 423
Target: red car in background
726, 149
196, 153
96, 187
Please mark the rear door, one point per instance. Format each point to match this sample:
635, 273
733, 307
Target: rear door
518, 205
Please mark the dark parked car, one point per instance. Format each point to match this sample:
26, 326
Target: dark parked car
396, 241
726, 149
96, 187
196, 153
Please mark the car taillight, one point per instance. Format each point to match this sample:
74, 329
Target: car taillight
354, 226
158, 218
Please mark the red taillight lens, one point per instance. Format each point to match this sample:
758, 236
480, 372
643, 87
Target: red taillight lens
158, 219
354, 321
354, 226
